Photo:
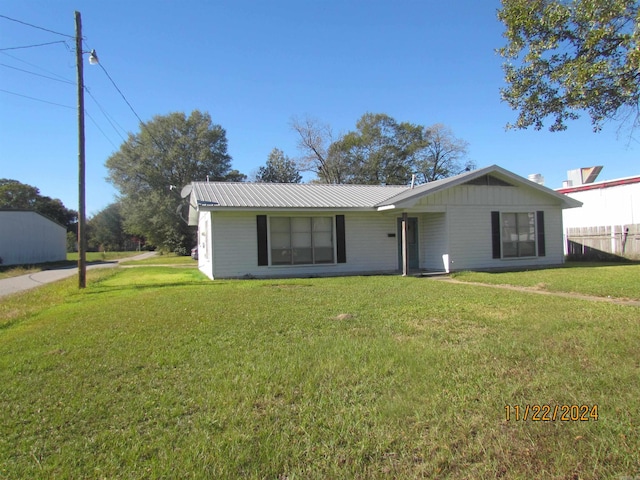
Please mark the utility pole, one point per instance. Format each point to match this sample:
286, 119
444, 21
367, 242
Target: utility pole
82, 243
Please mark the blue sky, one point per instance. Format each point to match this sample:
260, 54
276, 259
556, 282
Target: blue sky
254, 65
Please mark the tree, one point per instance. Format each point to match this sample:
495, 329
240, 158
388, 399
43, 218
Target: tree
315, 143
16, 195
169, 150
380, 151
443, 155
106, 230
569, 56
279, 169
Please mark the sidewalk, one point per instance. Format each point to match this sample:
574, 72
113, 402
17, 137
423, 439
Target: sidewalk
33, 280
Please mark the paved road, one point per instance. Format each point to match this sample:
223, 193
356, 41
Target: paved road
33, 280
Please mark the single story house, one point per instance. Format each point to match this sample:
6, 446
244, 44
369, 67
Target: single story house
28, 237
483, 219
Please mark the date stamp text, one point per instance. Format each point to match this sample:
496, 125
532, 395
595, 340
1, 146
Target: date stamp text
551, 413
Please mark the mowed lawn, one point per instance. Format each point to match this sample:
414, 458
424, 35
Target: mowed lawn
157, 372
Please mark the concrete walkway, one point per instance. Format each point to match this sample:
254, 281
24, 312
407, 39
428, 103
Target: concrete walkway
33, 280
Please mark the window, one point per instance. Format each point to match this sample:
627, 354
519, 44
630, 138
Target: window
518, 235
301, 240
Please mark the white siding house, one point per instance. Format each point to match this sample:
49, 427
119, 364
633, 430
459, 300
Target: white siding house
27, 238
485, 219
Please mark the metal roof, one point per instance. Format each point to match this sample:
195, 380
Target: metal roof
314, 195
291, 195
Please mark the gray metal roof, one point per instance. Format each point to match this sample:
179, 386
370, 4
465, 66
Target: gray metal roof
291, 195
313, 195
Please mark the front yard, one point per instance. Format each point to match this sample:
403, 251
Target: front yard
156, 372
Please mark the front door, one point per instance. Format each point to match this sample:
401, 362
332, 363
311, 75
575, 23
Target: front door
412, 240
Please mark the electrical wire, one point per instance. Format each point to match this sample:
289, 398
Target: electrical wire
37, 74
143, 125
33, 46
35, 26
65, 106
120, 92
100, 129
36, 99
107, 116
35, 66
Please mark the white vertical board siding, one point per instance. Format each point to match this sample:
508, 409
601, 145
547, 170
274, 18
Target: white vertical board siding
27, 238
433, 241
369, 248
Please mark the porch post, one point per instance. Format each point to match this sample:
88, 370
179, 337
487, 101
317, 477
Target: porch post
405, 245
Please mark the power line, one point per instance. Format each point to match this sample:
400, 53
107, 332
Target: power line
36, 99
35, 26
120, 92
106, 115
63, 106
143, 125
37, 74
32, 46
35, 66
100, 130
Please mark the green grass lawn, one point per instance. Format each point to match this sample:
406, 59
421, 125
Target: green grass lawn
156, 372
619, 281
165, 259
102, 256
72, 258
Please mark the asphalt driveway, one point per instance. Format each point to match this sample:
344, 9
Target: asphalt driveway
33, 280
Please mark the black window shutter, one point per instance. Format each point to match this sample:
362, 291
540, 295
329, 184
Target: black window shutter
542, 251
263, 248
495, 234
341, 246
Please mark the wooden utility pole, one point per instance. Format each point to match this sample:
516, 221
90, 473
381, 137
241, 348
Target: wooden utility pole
82, 243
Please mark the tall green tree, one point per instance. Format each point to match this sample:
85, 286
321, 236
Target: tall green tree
17, 195
564, 57
380, 151
279, 169
170, 150
106, 230
443, 156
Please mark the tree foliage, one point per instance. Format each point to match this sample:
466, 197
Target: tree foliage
20, 196
106, 230
169, 150
315, 141
381, 151
279, 169
569, 56
443, 156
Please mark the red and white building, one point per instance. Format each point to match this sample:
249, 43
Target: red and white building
609, 219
